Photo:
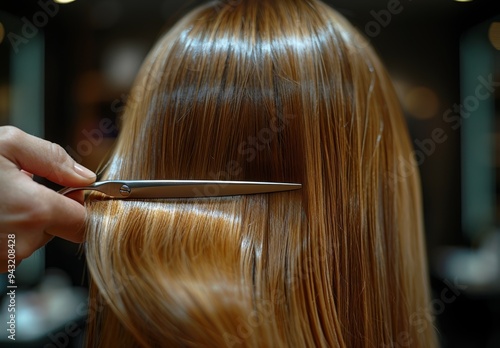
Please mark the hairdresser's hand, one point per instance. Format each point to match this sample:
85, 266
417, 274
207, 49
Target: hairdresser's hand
28, 210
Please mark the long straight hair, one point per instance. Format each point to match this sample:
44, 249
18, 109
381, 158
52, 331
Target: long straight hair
268, 91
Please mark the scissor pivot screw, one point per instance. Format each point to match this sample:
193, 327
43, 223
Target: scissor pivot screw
125, 190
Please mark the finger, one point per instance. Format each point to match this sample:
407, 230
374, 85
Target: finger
27, 173
27, 247
53, 213
42, 158
78, 196
65, 216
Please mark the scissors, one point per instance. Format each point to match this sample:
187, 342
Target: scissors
143, 189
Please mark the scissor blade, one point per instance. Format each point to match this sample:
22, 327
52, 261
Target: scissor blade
198, 188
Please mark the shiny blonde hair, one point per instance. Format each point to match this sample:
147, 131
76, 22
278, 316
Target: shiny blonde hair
267, 91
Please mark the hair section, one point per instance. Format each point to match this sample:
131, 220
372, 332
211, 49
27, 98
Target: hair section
267, 91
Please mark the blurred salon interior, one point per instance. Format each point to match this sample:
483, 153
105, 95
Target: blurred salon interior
66, 68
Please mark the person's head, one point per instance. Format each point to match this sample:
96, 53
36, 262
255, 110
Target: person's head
282, 91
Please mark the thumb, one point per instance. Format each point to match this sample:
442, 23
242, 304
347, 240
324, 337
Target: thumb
42, 158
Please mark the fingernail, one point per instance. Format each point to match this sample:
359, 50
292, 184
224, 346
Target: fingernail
84, 172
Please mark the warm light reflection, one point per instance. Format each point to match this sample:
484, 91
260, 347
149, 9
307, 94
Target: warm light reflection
4, 103
421, 102
63, 1
2, 32
494, 34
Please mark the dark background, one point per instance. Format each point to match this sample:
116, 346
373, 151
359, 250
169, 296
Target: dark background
420, 45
